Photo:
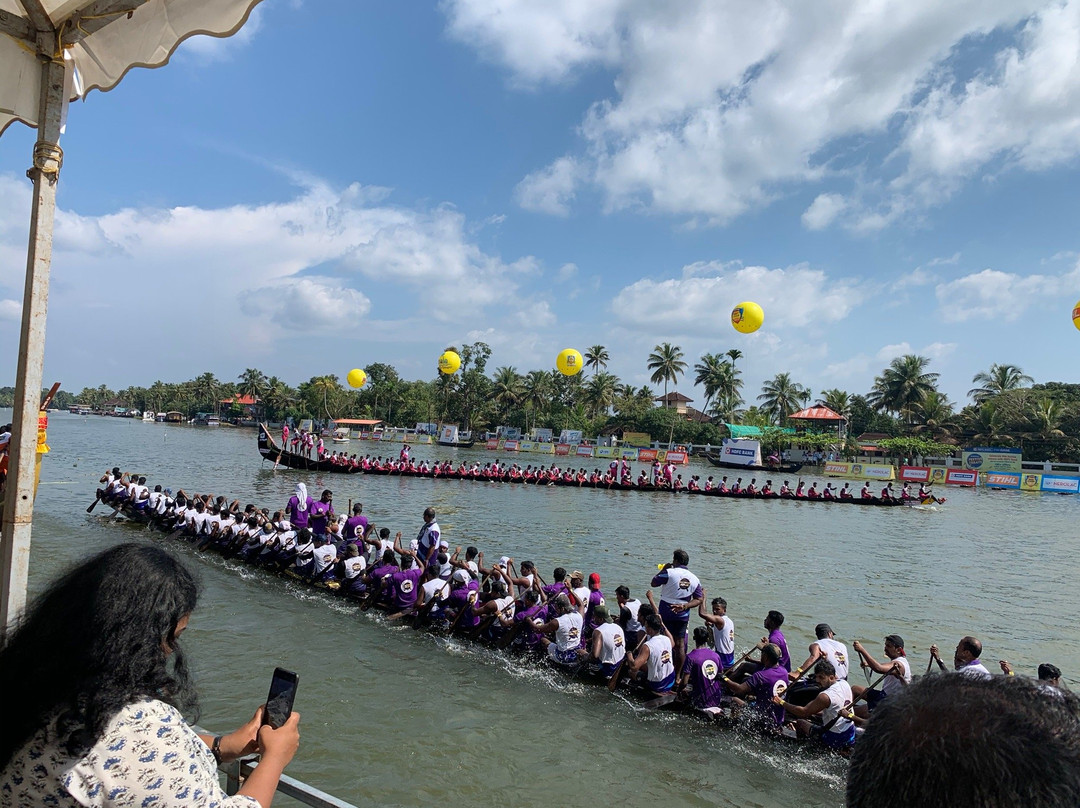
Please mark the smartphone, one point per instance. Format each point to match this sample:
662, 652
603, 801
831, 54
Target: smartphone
279, 702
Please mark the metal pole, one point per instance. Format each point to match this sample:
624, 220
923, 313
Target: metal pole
19, 494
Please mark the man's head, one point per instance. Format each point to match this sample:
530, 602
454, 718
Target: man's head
559, 575
1050, 674
327, 495
600, 615
562, 604
773, 620
429, 514
680, 558
357, 508
719, 607
594, 581
770, 655
822, 631
622, 594
701, 637
966, 742
967, 650
654, 625
577, 578
894, 646
824, 673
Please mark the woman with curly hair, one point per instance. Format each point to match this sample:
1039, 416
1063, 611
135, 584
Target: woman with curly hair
103, 685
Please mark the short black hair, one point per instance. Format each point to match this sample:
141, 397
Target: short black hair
622, 592
775, 617
1048, 671
701, 635
681, 557
965, 742
719, 602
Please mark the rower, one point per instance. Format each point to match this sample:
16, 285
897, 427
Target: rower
905, 492
865, 493
833, 704
845, 492
353, 566
737, 487
1049, 675
320, 512
595, 601
404, 583
813, 492
356, 526
723, 487
702, 671
773, 621
304, 562
566, 626
799, 490
325, 555
897, 669
521, 622
751, 489
766, 490
966, 658
680, 592
825, 647
628, 616
785, 490
723, 629
828, 492
578, 588
653, 663
763, 685
608, 643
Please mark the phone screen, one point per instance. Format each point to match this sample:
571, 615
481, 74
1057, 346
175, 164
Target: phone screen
279, 703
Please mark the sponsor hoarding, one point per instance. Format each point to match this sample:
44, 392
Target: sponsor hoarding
492, 443
639, 440
646, 455
1061, 485
627, 454
1002, 479
1030, 482
860, 471
606, 451
915, 474
985, 459
677, 457
511, 445
961, 477
584, 451
562, 448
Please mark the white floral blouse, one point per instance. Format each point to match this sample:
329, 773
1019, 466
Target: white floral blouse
148, 757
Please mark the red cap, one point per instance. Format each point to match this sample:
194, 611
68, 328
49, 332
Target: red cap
594, 579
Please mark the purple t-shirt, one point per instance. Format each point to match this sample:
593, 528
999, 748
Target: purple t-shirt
318, 515
536, 612
405, 584
459, 599
763, 685
354, 529
775, 636
298, 517
704, 668
596, 597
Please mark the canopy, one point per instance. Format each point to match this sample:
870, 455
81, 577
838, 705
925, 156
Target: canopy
101, 40
52, 51
740, 431
819, 413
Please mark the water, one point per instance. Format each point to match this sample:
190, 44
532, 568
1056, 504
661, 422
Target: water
396, 717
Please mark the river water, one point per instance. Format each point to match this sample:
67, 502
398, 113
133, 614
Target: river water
396, 717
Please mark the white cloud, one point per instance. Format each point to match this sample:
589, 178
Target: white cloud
567, 271
699, 303
309, 304
889, 352
719, 108
998, 296
939, 350
549, 190
823, 211
209, 49
10, 311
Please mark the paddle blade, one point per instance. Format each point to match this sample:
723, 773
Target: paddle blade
93, 505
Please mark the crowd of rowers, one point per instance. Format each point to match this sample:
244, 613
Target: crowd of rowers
619, 472
568, 620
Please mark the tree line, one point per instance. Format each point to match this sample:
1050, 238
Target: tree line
1006, 407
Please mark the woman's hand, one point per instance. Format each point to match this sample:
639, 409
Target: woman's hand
243, 741
280, 744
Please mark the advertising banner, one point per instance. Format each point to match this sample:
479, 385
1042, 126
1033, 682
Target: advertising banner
662, 455
570, 436
544, 448
562, 448
606, 451
526, 445
639, 440
492, 443
1060, 485
915, 474
511, 445
628, 454
860, 471
1030, 482
677, 457
585, 451
1002, 479
646, 455
986, 459
937, 475
741, 452
961, 477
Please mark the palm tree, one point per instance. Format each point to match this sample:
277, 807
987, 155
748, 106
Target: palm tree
253, 384
903, 385
601, 391
666, 364
936, 417
538, 386
596, 358
839, 401
509, 388
988, 424
1047, 416
733, 354
781, 396
278, 396
721, 381
206, 388
999, 379
326, 386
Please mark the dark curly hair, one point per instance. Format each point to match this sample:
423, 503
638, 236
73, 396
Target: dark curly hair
98, 639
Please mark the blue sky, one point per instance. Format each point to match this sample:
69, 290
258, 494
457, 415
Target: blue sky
349, 182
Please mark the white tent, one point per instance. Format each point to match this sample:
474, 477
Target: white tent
52, 51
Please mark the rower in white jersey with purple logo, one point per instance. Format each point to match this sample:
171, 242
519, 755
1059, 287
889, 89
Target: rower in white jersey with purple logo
427, 540
566, 626
680, 591
825, 647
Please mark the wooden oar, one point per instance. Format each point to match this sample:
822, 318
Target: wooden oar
854, 701
97, 499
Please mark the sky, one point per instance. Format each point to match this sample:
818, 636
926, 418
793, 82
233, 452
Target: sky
346, 182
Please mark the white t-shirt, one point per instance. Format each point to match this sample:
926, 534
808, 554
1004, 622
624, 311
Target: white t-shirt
435, 588
836, 653
613, 644
568, 635
724, 638
659, 665
324, 557
839, 694
976, 670
679, 586
891, 684
354, 566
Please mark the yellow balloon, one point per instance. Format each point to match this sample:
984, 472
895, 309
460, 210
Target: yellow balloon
747, 317
356, 378
569, 362
1076, 314
449, 363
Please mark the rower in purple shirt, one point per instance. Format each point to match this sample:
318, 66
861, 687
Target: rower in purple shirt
355, 527
596, 598
404, 583
387, 566
320, 512
702, 671
773, 621
771, 680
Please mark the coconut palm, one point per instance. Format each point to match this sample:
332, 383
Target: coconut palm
327, 388
839, 401
278, 396
781, 396
721, 382
936, 417
988, 424
999, 379
903, 385
538, 387
666, 364
206, 389
253, 384
601, 391
1047, 413
508, 388
596, 358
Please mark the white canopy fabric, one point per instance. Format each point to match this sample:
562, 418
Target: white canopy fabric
101, 41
